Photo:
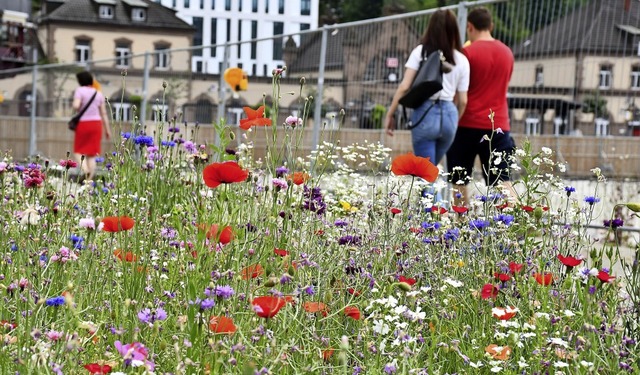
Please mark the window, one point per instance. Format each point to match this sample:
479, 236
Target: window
121, 111
266, 6
214, 35
228, 30
254, 6
539, 77
254, 35
635, 77
83, 51
199, 66
106, 11
201, 4
213, 4
138, 14
123, 51
159, 112
227, 4
306, 26
278, 29
305, 7
174, 3
186, 4
197, 37
280, 6
239, 5
605, 77
161, 56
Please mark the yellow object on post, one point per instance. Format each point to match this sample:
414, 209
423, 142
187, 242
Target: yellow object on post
236, 78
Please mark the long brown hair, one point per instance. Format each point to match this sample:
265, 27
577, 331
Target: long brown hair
442, 34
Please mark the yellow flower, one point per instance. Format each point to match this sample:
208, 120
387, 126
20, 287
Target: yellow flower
347, 206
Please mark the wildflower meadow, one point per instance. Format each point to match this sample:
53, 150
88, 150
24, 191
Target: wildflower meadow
188, 258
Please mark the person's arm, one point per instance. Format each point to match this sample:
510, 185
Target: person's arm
461, 102
105, 120
403, 88
76, 104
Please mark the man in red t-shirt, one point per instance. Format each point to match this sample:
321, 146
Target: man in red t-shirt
491, 65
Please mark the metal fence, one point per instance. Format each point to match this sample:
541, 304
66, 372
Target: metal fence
571, 56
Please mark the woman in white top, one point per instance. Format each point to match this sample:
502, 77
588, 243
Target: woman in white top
433, 135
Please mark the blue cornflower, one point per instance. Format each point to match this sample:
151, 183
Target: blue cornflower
452, 234
309, 290
431, 226
350, 240
174, 129
55, 301
125, 135
390, 368
478, 224
77, 241
592, 200
340, 223
99, 159
168, 143
613, 224
504, 218
144, 140
569, 190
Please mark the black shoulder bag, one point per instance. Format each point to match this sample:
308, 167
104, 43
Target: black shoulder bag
75, 119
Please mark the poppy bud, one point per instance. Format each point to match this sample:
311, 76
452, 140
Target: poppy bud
404, 286
634, 206
291, 271
271, 282
268, 270
537, 213
342, 359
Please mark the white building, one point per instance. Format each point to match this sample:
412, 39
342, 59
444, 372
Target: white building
228, 21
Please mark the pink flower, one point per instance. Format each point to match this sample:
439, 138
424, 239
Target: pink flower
134, 354
87, 223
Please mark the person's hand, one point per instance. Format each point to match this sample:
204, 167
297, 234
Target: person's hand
390, 125
107, 133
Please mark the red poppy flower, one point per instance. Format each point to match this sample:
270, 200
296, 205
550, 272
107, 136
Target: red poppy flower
125, 257
503, 313
7, 326
543, 279
569, 261
319, 232
315, 307
527, 208
267, 306
515, 267
222, 325
415, 230
298, 178
501, 207
352, 312
290, 299
95, 368
326, 354
353, 292
459, 209
226, 172
252, 271
395, 211
605, 277
498, 352
408, 280
439, 210
224, 236
489, 291
280, 252
115, 224
411, 165
255, 117
503, 277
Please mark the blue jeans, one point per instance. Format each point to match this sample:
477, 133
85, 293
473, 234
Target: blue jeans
430, 139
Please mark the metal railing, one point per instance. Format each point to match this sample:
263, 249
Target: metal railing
356, 67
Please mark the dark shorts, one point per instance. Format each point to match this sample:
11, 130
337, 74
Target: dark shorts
468, 144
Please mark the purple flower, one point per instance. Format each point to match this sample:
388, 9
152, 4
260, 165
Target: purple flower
478, 224
569, 190
190, 147
613, 224
390, 368
149, 316
207, 304
134, 352
281, 171
350, 240
309, 290
224, 291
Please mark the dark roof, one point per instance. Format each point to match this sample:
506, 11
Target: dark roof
86, 12
601, 26
308, 55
